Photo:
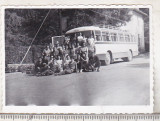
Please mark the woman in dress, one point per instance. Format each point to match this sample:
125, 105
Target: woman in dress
83, 57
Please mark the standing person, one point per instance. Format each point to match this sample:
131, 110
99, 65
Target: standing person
72, 51
94, 63
84, 49
77, 56
66, 51
83, 57
80, 38
53, 53
67, 40
51, 65
46, 52
91, 46
84, 39
60, 50
72, 41
75, 40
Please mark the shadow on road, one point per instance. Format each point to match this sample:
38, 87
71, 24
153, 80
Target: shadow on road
140, 65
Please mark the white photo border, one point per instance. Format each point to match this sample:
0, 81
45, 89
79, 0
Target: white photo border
75, 108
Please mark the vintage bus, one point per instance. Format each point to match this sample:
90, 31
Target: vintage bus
110, 43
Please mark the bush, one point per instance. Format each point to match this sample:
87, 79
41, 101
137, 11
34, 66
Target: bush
15, 54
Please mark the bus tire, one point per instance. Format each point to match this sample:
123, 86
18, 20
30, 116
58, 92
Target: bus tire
129, 57
107, 61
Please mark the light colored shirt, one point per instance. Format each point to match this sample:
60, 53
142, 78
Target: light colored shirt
80, 38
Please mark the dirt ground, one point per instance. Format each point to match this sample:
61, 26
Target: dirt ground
121, 83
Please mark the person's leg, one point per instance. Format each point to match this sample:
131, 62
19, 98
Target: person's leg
62, 73
68, 71
97, 66
79, 66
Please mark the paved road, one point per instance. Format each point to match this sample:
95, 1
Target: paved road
121, 83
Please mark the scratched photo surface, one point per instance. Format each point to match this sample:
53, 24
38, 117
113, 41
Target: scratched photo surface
85, 57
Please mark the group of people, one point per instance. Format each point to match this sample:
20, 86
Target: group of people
69, 57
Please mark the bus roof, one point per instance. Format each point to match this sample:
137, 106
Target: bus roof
80, 29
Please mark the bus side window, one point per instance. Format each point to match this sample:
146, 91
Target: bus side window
103, 36
108, 37
131, 39
127, 38
134, 40
98, 35
113, 37
121, 38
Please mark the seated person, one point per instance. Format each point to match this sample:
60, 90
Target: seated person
67, 59
73, 65
51, 64
94, 62
38, 66
41, 66
68, 68
45, 67
45, 60
58, 65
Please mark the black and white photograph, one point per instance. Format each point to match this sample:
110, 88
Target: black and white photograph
68, 57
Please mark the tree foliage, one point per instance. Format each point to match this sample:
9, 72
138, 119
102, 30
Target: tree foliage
21, 25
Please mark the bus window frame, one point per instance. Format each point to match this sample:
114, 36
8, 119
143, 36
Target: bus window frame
114, 37
100, 35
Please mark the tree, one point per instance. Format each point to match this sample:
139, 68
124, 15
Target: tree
21, 25
146, 27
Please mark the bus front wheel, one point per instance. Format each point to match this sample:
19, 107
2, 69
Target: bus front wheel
108, 59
